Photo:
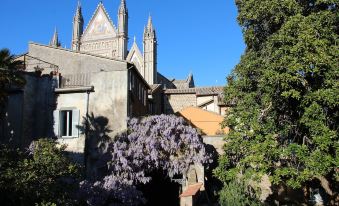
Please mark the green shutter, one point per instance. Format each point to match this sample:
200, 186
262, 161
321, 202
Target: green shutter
56, 114
75, 122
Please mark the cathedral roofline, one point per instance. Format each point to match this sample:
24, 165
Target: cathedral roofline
129, 67
78, 52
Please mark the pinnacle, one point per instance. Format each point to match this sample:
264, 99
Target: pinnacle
150, 24
78, 14
122, 6
55, 40
149, 20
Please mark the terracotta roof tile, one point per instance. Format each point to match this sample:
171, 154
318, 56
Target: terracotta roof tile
191, 190
209, 90
180, 91
199, 91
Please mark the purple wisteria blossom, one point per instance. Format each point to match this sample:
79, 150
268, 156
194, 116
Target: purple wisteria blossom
163, 142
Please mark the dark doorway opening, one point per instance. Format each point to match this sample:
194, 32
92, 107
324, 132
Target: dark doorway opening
161, 191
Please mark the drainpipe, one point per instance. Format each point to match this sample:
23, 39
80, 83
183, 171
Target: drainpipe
86, 132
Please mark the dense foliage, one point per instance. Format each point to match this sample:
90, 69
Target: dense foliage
9, 75
235, 194
284, 93
41, 175
165, 143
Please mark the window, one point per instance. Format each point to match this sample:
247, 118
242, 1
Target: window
66, 123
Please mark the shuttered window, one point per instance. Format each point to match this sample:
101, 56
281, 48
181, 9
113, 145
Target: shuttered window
66, 123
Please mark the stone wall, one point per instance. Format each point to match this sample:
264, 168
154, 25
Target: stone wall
28, 114
177, 102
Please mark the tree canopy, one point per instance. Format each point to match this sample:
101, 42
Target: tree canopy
9, 75
41, 174
284, 95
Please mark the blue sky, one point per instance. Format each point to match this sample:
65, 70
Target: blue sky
198, 36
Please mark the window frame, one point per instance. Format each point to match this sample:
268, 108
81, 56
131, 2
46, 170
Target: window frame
75, 122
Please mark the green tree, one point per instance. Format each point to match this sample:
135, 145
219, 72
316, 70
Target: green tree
42, 175
9, 73
284, 93
235, 194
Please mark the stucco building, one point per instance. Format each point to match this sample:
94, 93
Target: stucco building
99, 75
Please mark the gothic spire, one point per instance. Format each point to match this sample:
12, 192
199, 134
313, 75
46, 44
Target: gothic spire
150, 53
149, 23
123, 8
122, 30
149, 31
78, 24
78, 13
55, 40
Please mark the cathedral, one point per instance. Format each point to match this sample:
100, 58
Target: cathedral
99, 77
102, 37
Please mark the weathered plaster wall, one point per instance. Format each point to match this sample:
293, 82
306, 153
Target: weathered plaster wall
11, 119
29, 111
38, 104
69, 101
109, 78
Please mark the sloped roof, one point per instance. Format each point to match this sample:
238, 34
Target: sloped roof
154, 88
208, 122
180, 91
168, 83
184, 84
205, 102
199, 91
209, 90
191, 190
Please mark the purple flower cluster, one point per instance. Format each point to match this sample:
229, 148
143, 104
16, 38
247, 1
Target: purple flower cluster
163, 142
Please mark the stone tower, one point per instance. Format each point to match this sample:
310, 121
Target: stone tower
122, 30
78, 25
150, 53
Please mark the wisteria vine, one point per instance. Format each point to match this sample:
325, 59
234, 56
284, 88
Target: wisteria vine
161, 142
